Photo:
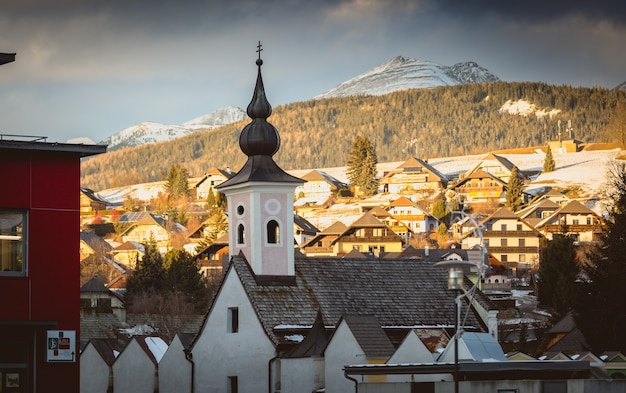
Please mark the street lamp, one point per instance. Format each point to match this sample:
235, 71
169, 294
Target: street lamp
456, 273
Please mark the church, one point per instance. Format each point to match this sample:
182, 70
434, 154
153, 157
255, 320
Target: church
282, 322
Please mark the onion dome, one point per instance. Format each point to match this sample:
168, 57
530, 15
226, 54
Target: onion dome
259, 137
259, 140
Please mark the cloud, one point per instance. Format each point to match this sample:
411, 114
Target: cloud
366, 11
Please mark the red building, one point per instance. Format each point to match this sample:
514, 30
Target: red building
39, 264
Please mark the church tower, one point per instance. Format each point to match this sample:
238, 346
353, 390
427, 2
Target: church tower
260, 195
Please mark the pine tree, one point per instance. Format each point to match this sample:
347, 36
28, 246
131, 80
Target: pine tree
183, 278
177, 182
361, 166
600, 312
514, 190
441, 211
558, 273
548, 163
149, 273
210, 199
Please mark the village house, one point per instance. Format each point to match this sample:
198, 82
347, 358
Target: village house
323, 243
366, 234
144, 227
510, 240
415, 217
498, 166
129, 253
209, 181
90, 202
95, 298
574, 219
481, 187
413, 175
319, 185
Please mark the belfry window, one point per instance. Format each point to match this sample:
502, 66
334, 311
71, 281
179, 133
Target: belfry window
241, 234
273, 232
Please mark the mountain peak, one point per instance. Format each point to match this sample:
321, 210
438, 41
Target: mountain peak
150, 132
401, 73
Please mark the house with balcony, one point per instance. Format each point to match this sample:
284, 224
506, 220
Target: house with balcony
146, 226
322, 244
413, 175
574, 219
498, 166
415, 217
367, 234
509, 239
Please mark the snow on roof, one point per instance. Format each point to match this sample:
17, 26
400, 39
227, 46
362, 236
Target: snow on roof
157, 346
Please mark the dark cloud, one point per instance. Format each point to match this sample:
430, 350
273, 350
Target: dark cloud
537, 10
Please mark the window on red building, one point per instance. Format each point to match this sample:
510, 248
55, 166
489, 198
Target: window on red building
12, 242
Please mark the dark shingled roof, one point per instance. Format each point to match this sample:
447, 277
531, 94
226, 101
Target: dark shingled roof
399, 293
108, 348
370, 336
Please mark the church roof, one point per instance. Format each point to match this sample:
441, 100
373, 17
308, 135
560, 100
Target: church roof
369, 334
400, 293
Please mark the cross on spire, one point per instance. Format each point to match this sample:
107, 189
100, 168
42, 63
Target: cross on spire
259, 49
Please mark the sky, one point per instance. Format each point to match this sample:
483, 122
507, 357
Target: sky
91, 68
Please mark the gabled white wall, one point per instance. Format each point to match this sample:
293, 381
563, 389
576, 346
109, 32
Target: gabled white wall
301, 374
133, 371
174, 369
218, 354
342, 350
94, 371
412, 350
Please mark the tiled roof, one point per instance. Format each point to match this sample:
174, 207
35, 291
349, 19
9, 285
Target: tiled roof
314, 342
337, 228
108, 348
369, 334
94, 241
102, 325
399, 293
367, 220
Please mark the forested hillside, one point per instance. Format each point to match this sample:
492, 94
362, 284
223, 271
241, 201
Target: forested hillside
428, 123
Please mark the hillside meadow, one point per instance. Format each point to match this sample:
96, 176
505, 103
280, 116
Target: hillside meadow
427, 123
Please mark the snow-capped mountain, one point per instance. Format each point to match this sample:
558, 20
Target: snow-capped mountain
220, 117
401, 73
150, 132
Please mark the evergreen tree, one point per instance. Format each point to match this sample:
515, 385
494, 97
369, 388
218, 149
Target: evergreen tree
514, 190
216, 226
548, 163
558, 273
184, 279
441, 211
601, 314
210, 199
149, 273
177, 182
361, 166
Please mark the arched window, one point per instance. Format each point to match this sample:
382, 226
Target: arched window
273, 232
241, 234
